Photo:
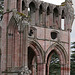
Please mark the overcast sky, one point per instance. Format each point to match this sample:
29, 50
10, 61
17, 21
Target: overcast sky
58, 2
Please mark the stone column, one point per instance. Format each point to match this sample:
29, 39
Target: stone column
51, 19
25, 45
41, 69
47, 69
44, 18
37, 17
62, 69
59, 24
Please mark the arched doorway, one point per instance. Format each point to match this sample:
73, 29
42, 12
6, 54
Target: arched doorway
54, 66
32, 61
57, 52
35, 58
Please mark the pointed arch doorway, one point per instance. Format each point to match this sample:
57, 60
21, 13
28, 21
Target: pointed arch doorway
56, 59
35, 58
54, 64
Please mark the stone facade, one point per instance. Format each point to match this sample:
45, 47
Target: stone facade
31, 32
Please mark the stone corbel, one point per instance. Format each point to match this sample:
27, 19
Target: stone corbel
21, 20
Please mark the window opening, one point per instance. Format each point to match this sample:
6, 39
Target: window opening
55, 67
62, 20
53, 35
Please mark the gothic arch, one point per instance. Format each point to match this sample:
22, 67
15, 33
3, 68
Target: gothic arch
62, 54
48, 9
23, 5
12, 22
12, 26
18, 5
60, 51
56, 12
12, 35
42, 5
34, 2
38, 50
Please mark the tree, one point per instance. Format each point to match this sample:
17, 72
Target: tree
1, 8
73, 59
54, 65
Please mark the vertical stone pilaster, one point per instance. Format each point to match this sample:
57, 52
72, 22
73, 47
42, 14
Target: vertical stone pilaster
51, 19
37, 17
59, 22
41, 69
25, 45
47, 69
62, 70
44, 18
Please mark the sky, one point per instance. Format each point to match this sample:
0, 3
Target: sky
58, 2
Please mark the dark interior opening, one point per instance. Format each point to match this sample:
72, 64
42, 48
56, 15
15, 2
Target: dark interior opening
62, 14
23, 5
41, 9
53, 35
31, 55
32, 7
55, 12
31, 32
48, 10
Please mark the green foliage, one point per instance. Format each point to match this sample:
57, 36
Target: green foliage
54, 68
73, 59
1, 8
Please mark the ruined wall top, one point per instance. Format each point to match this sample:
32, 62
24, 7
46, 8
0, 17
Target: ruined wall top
40, 12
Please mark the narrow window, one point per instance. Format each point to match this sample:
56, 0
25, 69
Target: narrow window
62, 20
23, 5
48, 17
62, 24
18, 5
40, 14
53, 35
31, 12
55, 15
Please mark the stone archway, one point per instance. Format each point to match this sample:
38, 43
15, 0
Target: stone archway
32, 61
62, 57
54, 64
35, 59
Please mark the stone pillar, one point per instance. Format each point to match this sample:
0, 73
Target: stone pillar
25, 45
32, 15
47, 69
37, 17
10, 50
62, 70
34, 69
21, 49
48, 21
3, 44
26, 11
59, 24
41, 69
44, 18
51, 19
69, 30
